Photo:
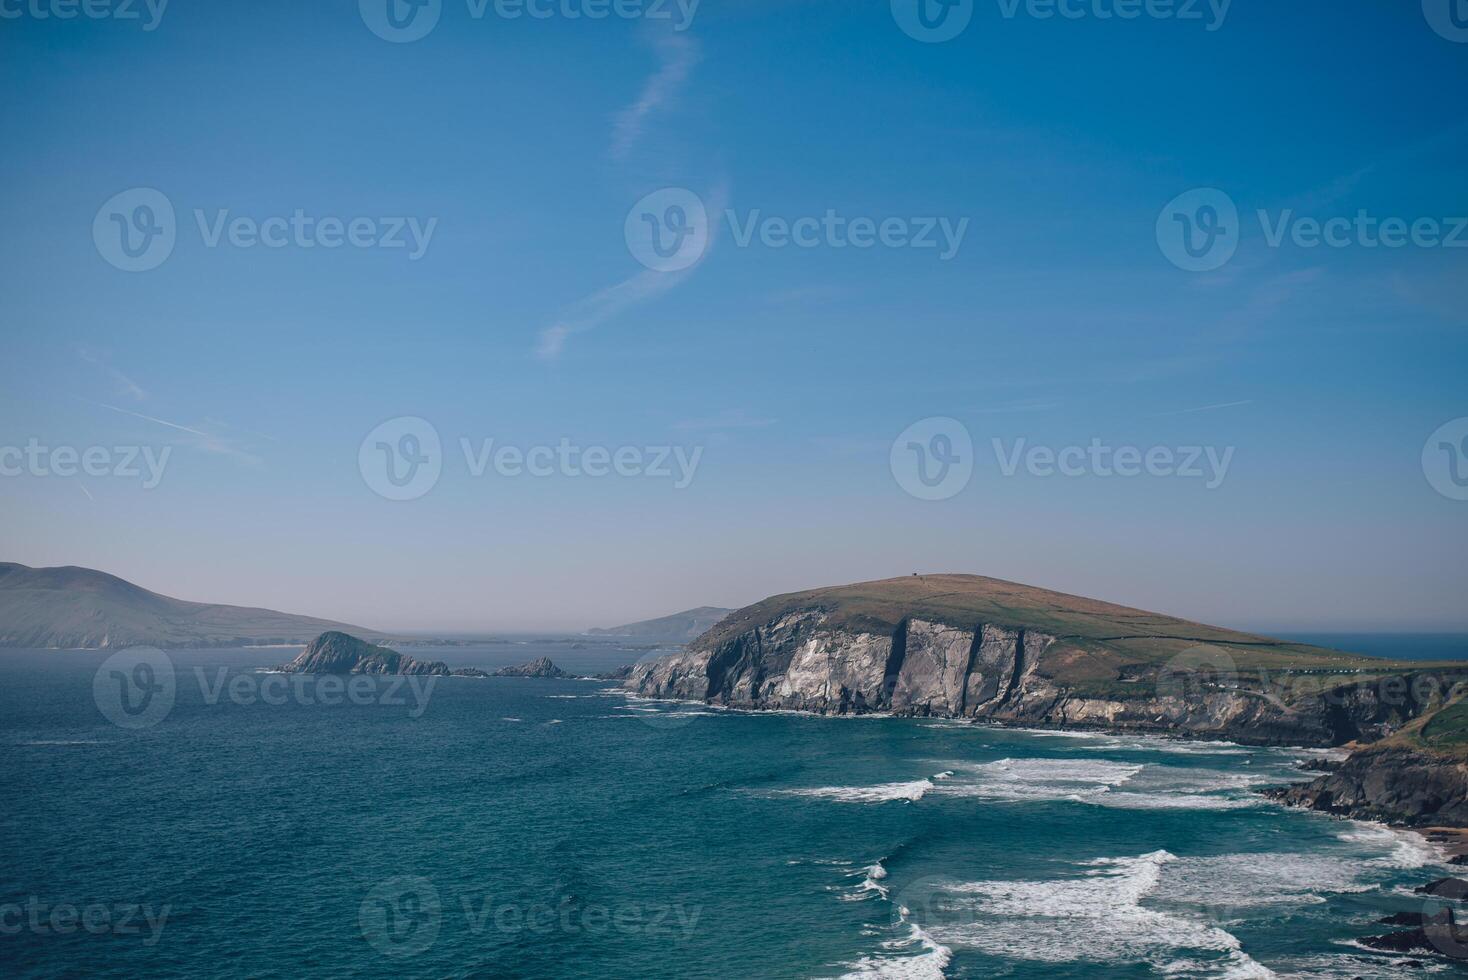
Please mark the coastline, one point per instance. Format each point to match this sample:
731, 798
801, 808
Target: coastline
1429, 856
1450, 844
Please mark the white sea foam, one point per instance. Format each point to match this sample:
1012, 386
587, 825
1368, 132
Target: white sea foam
1226, 882
1041, 779
1055, 733
1187, 801
871, 884
916, 956
881, 793
1094, 917
1137, 742
1362, 962
1180, 788
1404, 849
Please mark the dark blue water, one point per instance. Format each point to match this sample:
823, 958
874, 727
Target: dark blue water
1407, 646
539, 828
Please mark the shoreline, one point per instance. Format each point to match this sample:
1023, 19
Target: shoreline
1449, 842
1444, 849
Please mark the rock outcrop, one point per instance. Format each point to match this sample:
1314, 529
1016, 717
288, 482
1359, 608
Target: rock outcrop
967, 647
1396, 785
338, 653
1433, 929
535, 668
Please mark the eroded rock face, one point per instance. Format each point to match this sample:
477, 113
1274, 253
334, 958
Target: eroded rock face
933, 677
800, 661
1393, 785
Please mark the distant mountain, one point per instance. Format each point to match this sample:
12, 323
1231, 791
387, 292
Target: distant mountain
680, 627
71, 607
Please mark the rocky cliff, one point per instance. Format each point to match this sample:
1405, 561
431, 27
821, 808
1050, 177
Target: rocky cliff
1392, 784
968, 647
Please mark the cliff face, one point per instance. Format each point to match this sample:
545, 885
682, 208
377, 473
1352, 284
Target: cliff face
830, 661
1390, 784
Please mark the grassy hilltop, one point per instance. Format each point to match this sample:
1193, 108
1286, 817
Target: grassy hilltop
1099, 644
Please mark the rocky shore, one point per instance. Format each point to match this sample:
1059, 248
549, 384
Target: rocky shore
967, 647
1394, 785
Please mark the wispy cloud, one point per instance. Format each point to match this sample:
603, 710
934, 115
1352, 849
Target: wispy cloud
729, 418
1203, 408
602, 306
596, 309
677, 54
807, 295
210, 442
1021, 406
126, 385
1395, 160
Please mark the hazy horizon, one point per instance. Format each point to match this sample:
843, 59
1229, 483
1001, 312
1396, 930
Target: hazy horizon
576, 625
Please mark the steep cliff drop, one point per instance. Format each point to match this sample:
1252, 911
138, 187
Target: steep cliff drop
964, 646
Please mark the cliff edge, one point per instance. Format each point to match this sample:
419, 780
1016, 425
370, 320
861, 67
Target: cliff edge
966, 646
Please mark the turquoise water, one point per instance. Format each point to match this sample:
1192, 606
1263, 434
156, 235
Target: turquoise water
537, 828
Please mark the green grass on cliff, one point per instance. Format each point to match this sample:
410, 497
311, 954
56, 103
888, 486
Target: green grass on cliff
1446, 730
1098, 643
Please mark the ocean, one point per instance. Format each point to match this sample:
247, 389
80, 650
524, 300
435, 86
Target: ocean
1405, 646
518, 828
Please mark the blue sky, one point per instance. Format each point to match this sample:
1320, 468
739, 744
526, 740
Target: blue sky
529, 320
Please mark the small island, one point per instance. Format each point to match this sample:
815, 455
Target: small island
541, 667
334, 652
